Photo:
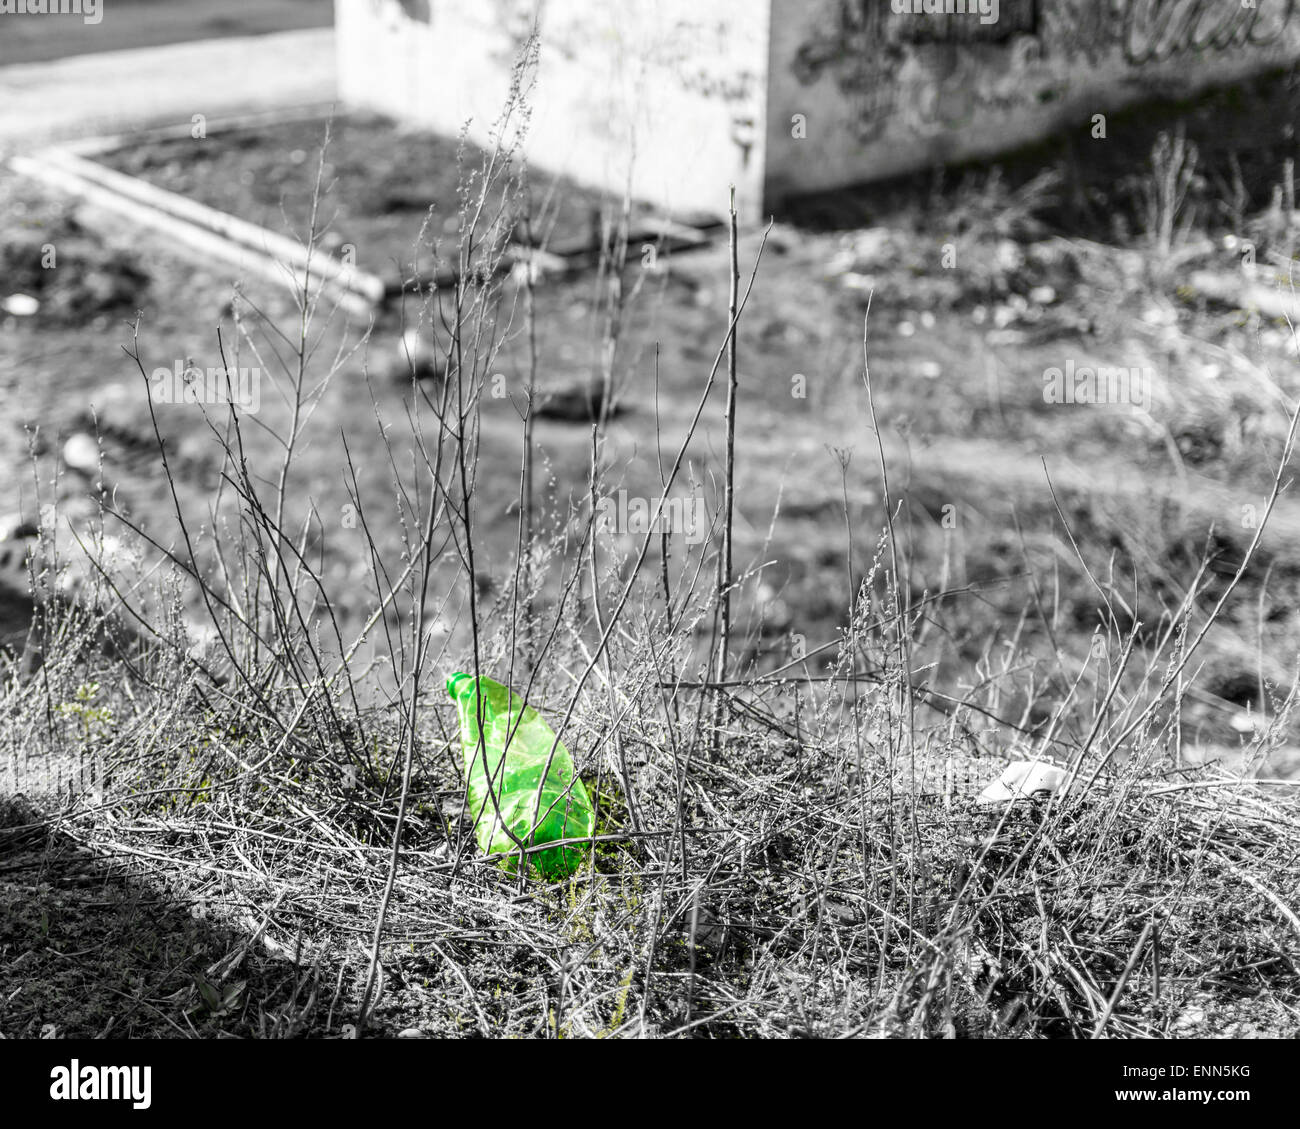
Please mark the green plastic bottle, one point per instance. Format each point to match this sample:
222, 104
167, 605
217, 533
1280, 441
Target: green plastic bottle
565, 812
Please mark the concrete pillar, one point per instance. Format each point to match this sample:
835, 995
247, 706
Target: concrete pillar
667, 95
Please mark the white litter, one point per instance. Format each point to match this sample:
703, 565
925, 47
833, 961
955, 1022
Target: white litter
1024, 779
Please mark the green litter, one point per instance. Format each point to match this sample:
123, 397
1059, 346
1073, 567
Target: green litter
565, 811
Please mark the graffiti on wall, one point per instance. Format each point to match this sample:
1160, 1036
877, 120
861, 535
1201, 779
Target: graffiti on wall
708, 55
1154, 31
915, 71
901, 68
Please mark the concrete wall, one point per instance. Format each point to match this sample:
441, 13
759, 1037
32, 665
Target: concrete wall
690, 95
670, 92
887, 92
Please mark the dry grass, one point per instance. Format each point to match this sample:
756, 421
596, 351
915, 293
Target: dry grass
806, 881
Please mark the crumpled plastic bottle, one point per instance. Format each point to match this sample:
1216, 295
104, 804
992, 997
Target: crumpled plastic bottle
1024, 780
565, 811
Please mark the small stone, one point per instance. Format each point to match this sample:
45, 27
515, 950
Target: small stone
842, 261
580, 401
839, 913
411, 1033
1245, 722
1009, 256
20, 305
81, 453
411, 358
